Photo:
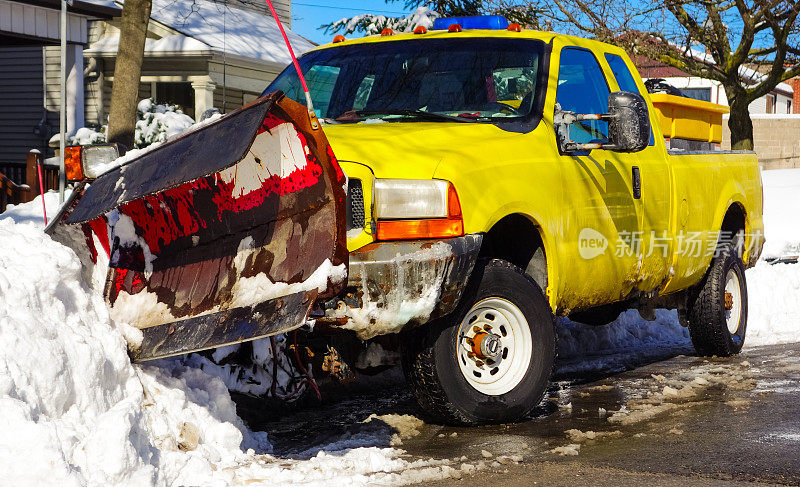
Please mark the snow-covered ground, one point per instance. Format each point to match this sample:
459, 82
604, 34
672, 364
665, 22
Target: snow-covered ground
75, 411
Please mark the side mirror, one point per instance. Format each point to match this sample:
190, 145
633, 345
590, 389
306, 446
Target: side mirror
628, 125
628, 122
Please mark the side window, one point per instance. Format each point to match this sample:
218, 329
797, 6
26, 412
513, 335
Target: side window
582, 88
625, 79
622, 73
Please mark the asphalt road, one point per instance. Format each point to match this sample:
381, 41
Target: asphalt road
678, 420
740, 429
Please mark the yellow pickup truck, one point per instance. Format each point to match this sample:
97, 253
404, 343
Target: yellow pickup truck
498, 177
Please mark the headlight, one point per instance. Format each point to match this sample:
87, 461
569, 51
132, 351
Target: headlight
410, 198
416, 209
88, 162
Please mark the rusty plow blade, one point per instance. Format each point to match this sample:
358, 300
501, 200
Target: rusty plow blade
223, 234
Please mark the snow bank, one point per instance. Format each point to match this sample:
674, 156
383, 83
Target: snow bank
74, 410
773, 304
32, 213
628, 332
781, 212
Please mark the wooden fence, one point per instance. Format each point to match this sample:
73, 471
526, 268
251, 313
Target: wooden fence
19, 182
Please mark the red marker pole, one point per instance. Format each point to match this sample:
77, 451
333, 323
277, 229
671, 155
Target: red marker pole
41, 187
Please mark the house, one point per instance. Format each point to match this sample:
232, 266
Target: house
779, 101
30, 67
199, 54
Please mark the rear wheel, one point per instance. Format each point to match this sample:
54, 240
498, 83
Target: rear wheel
718, 307
491, 359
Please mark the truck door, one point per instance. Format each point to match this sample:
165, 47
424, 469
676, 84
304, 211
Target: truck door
601, 217
655, 190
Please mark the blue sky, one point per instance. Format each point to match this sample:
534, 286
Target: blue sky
308, 15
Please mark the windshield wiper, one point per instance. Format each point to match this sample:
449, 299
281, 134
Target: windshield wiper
355, 115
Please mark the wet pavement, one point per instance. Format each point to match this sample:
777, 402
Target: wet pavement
665, 417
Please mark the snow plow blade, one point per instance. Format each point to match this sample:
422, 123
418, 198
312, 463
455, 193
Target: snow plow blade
226, 233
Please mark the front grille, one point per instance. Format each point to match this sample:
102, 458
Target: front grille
355, 204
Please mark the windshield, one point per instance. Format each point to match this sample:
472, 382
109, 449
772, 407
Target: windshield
468, 80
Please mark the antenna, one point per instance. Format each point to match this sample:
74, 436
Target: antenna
311, 114
224, 58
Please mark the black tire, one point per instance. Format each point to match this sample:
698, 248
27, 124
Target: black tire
431, 357
707, 312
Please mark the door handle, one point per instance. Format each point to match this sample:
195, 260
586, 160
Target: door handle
637, 183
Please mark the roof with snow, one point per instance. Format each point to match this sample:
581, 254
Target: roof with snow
207, 26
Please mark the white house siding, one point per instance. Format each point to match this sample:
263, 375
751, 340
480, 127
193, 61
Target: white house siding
40, 22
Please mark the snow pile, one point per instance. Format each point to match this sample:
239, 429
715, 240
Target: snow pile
71, 400
773, 304
781, 213
75, 411
31, 212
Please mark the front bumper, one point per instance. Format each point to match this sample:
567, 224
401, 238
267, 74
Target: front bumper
392, 285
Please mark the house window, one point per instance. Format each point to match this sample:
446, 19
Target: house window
788, 106
703, 94
770, 103
180, 94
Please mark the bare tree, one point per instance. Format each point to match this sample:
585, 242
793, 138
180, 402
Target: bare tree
730, 35
127, 71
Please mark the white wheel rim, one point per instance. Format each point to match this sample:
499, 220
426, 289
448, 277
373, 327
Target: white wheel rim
501, 318
733, 315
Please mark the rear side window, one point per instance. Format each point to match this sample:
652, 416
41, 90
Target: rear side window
582, 88
625, 79
622, 73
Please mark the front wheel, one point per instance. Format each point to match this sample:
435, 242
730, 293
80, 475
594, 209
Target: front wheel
717, 308
491, 359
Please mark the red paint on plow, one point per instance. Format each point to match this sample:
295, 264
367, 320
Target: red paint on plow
164, 217
299, 179
335, 164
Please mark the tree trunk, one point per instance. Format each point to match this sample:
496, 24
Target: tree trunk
128, 69
740, 124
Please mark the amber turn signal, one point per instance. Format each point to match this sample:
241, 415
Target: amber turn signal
72, 163
419, 229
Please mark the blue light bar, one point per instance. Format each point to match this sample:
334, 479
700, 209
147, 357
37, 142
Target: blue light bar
494, 22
